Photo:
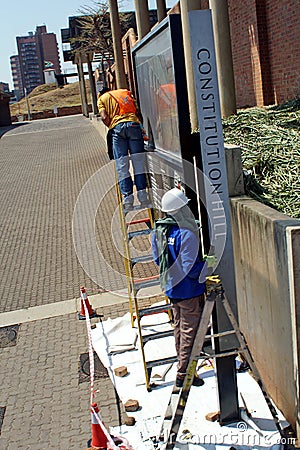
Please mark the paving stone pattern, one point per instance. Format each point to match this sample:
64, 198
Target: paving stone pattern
44, 166
46, 407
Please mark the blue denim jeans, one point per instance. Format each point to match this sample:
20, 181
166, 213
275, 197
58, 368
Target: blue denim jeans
128, 140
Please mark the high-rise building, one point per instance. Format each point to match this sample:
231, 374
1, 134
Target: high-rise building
47, 50
36, 52
16, 76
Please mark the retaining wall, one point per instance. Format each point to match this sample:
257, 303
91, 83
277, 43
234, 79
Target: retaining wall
47, 114
267, 257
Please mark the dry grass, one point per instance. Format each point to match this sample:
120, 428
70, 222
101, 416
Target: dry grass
270, 142
46, 96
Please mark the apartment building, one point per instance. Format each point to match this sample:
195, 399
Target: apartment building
16, 76
36, 52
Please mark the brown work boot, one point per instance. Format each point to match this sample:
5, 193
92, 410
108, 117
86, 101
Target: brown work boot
196, 381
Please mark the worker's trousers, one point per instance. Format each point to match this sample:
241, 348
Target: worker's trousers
127, 139
187, 314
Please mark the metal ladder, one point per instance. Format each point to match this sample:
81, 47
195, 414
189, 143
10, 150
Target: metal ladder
179, 396
134, 285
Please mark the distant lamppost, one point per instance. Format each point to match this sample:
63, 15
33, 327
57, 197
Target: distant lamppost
27, 103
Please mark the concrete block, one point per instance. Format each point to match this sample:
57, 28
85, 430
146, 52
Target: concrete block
131, 405
121, 371
213, 416
129, 421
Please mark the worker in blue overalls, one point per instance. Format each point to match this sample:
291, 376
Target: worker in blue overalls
175, 245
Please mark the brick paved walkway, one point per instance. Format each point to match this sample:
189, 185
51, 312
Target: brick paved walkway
43, 168
44, 165
46, 407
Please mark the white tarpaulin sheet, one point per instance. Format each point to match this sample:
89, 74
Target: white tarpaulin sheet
117, 344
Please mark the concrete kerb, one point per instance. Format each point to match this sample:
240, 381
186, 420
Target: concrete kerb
99, 125
71, 306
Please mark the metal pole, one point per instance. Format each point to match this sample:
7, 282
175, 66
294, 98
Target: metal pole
80, 86
103, 72
84, 103
27, 103
161, 10
92, 85
185, 7
142, 17
117, 44
221, 26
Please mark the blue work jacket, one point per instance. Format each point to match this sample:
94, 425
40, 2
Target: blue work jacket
185, 266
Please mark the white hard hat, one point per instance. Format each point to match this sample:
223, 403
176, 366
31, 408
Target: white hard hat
173, 200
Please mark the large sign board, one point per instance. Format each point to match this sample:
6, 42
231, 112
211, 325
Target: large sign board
212, 147
162, 95
157, 93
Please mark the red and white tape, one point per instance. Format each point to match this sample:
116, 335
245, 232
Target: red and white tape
112, 446
91, 352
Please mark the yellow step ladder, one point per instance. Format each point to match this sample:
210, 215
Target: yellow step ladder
134, 284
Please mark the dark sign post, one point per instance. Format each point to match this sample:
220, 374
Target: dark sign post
216, 197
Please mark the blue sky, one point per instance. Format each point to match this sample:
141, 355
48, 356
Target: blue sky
23, 16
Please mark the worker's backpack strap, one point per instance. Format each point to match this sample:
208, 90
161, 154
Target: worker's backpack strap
125, 101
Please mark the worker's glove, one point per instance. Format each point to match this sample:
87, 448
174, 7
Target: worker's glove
211, 260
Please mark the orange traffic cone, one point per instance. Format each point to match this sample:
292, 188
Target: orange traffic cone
99, 439
84, 299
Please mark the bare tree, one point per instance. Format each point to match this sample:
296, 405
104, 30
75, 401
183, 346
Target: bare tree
93, 30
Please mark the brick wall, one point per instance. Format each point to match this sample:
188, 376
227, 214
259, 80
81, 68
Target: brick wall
64, 111
245, 52
264, 53
265, 36
283, 21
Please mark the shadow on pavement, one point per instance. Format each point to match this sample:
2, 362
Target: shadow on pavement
4, 130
